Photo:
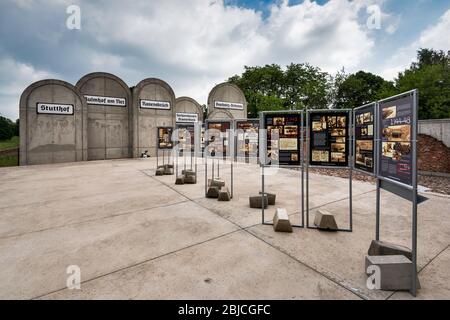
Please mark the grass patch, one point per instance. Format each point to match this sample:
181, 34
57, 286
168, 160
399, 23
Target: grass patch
9, 161
10, 144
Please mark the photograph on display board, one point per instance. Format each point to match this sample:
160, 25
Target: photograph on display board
395, 130
364, 139
222, 127
283, 137
247, 138
328, 138
165, 138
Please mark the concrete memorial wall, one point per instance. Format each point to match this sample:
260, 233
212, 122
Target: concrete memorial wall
109, 128
227, 101
53, 123
187, 110
153, 107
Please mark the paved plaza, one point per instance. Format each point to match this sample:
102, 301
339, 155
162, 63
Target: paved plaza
138, 236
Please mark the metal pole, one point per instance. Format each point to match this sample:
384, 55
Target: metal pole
302, 160
206, 175
307, 167
414, 204
232, 180
351, 170
377, 164
263, 194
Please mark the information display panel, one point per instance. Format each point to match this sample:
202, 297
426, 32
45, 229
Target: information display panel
247, 138
223, 127
285, 149
365, 138
329, 138
396, 119
186, 136
165, 138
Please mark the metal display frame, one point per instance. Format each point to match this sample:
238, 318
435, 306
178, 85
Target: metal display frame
169, 150
192, 151
348, 167
216, 162
262, 148
235, 127
405, 191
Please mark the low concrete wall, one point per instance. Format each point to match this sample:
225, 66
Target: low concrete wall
439, 129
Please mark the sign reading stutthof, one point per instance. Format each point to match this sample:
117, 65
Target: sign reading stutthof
151, 104
229, 105
106, 101
54, 108
186, 117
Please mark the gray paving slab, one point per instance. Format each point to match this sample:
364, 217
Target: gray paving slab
236, 266
35, 264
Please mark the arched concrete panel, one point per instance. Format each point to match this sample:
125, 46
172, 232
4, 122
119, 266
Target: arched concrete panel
189, 106
220, 115
151, 97
109, 126
227, 97
53, 119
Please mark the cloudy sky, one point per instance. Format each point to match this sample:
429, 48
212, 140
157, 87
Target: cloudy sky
195, 44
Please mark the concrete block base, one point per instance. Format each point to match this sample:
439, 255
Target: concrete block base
324, 220
213, 192
380, 248
190, 179
224, 194
180, 180
256, 202
281, 221
160, 172
395, 271
217, 182
271, 197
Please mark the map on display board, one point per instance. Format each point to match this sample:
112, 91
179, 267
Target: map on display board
285, 149
364, 138
329, 138
396, 131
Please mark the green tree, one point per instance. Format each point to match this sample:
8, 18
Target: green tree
306, 87
7, 128
361, 88
431, 76
272, 88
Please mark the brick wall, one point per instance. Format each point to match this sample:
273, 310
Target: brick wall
434, 156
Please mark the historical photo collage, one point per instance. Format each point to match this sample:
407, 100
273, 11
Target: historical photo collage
364, 137
165, 138
220, 128
283, 138
186, 135
329, 145
247, 137
395, 130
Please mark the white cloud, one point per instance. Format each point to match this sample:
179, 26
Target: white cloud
14, 78
434, 37
196, 44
